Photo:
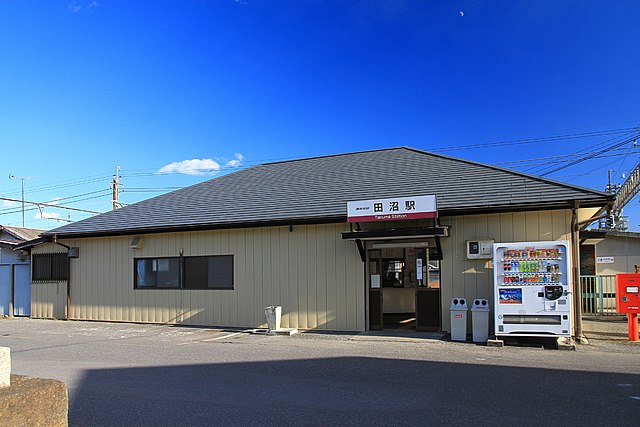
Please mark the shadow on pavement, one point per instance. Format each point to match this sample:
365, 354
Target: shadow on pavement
352, 391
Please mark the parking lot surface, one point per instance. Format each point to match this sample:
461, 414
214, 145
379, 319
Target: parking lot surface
133, 374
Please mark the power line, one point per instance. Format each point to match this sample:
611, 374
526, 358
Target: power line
588, 157
536, 161
64, 184
149, 189
49, 205
535, 140
600, 147
69, 198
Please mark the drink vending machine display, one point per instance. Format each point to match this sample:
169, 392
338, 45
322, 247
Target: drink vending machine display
532, 289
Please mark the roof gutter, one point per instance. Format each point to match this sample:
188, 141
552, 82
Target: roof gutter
329, 219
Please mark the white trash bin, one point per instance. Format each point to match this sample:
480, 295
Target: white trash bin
480, 320
458, 311
273, 314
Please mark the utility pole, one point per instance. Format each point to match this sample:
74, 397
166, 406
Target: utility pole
22, 178
114, 184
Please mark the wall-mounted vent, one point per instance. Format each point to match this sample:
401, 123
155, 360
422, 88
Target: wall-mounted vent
74, 252
136, 243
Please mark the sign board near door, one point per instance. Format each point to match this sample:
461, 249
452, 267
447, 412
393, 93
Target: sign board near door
392, 209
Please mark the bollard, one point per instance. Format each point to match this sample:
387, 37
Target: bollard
5, 366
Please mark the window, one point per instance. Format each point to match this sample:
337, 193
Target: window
208, 272
195, 272
49, 267
157, 273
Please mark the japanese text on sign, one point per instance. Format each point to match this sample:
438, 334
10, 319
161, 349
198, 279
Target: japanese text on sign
397, 208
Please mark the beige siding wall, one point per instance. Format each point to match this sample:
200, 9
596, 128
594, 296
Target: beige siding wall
474, 278
625, 252
49, 299
315, 275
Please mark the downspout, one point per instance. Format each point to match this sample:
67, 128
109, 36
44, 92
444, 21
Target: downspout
55, 240
577, 295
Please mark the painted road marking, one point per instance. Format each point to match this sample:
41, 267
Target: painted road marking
222, 337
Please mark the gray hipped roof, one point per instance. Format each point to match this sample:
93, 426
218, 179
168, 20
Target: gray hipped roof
317, 190
16, 235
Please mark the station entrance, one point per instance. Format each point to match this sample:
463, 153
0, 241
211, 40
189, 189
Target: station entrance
403, 285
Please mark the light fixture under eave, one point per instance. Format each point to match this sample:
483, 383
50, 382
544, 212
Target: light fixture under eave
400, 245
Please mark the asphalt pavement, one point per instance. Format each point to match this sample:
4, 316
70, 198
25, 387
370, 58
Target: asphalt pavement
133, 374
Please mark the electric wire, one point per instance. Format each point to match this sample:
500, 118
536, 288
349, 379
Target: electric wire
556, 159
69, 199
524, 141
50, 205
609, 148
587, 157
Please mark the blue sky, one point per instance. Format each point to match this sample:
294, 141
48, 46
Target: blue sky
153, 86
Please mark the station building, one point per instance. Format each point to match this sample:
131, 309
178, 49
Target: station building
218, 252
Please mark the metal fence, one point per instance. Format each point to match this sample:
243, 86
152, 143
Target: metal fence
598, 295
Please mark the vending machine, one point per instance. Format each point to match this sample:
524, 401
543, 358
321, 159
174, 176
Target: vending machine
532, 289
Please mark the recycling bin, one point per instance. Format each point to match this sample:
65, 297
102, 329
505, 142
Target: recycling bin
480, 320
458, 311
273, 314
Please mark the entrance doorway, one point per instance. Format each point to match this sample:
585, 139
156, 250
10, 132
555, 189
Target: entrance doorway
403, 287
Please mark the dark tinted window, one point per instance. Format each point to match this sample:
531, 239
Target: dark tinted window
49, 267
208, 272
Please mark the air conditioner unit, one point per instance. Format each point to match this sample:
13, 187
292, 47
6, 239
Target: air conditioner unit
480, 249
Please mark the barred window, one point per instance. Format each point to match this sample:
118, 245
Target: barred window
49, 267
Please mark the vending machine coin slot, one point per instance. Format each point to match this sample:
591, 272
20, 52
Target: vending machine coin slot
552, 293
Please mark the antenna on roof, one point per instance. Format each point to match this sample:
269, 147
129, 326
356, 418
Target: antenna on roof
22, 178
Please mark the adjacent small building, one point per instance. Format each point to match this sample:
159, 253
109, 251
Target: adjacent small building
606, 253
15, 294
616, 252
218, 252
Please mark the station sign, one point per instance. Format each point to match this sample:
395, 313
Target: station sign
392, 209
605, 260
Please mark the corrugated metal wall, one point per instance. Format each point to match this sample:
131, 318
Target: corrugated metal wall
474, 278
49, 299
315, 275
625, 252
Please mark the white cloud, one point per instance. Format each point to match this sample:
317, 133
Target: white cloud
74, 7
191, 167
9, 204
236, 162
47, 215
55, 201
